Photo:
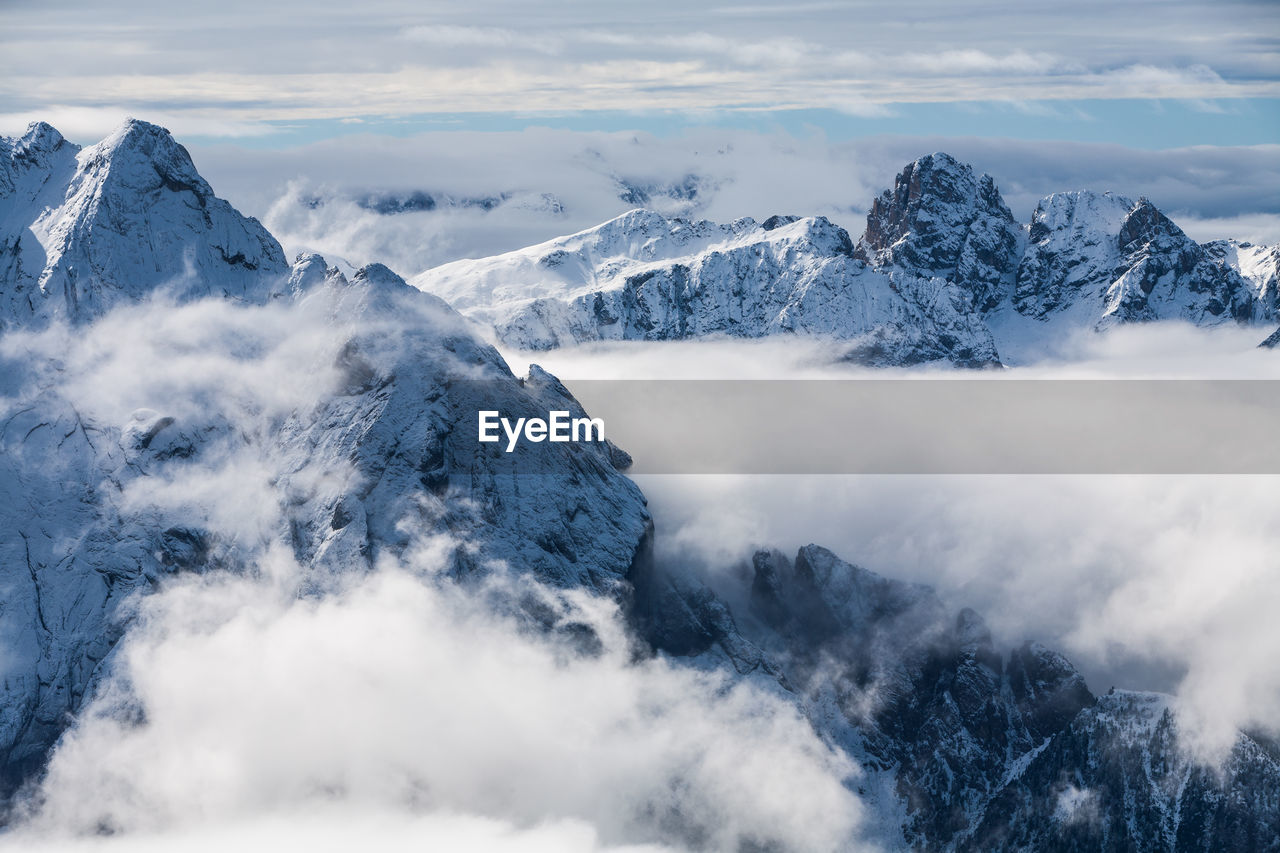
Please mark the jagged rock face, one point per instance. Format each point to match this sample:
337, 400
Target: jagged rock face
645, 277
979, 750
940, 275
84, 231
1272, 341
381, 456
1259, 266
921, 691
942, 220
1118, 261
1116, 779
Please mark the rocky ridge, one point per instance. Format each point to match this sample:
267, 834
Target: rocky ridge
942, 273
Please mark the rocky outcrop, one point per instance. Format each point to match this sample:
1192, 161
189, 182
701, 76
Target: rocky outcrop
1107, 259
976, 747
942, 220
645, 277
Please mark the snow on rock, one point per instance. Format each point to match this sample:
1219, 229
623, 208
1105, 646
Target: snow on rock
82, 231
1258, 265
1107, 259
941, 220
1116, 777
942, 273
645, 277
331, 424
357, 446
965, 747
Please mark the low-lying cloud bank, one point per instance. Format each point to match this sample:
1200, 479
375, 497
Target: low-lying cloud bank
1146, 582
406, 702
279, 705
498, 191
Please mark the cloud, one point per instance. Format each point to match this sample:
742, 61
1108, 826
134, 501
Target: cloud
235, 702
547, 183
1159, 583
406, 705
482, 37
1145, 582
1260, 228
334, 827
295, 64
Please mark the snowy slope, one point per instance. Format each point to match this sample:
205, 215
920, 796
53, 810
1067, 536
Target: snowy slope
942, 272
1107, 257
83, 231
357, 444
645, 277
1258, 265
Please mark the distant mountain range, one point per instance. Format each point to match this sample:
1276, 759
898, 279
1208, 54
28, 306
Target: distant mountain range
966, 746
942, 273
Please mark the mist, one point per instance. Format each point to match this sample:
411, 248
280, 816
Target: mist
541, 183
1162, 583
269, 703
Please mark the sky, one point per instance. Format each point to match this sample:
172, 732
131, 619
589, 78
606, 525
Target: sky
1146, 74
542, 112
297, 112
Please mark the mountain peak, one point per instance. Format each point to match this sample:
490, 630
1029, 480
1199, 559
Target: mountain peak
137, 147
1146, 223
117, 221
40, 136
942, 219
1103, 250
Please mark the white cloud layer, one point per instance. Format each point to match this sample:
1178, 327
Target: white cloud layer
403, 697
547, 183
298, 62
392, 706
1145, 582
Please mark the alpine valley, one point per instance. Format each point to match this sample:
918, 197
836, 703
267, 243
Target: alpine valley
350, 450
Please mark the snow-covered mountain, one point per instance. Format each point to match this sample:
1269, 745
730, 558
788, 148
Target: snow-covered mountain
162, 366
361, 468
966, 746
943, 272
643, 276
82, 231
941, 220
1106, 256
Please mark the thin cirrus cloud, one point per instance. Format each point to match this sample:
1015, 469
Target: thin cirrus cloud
300, 64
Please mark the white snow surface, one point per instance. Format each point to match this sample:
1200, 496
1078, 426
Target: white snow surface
982, 294
175, 398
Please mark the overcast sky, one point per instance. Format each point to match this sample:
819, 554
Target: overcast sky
1134, 72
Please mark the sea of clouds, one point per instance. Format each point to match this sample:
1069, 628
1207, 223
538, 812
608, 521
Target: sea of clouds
270, 705
308, 196
1149, 582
